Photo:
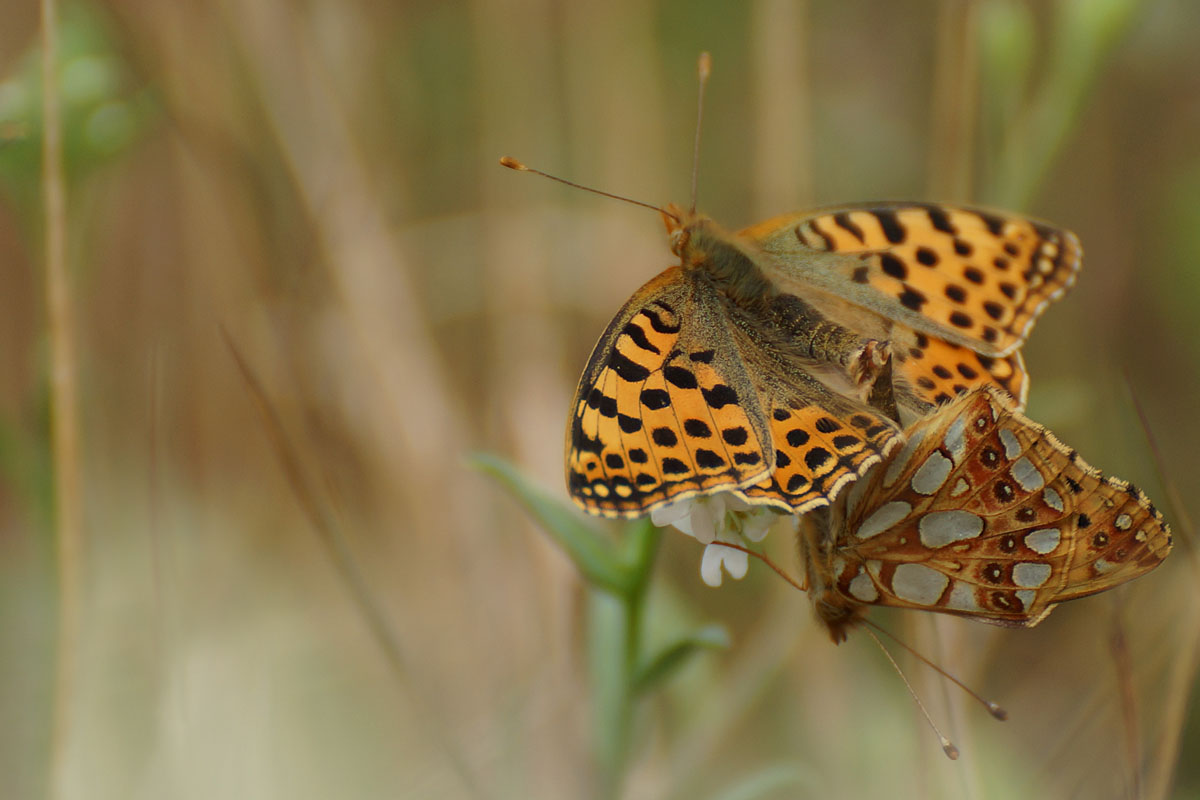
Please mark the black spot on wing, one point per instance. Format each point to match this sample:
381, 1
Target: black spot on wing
629, 424
844, 222
670, 325
940, 220
911, 298
681, 377
893, 266
673, 466
995, 225
892, 228
655, 399
719, 396
639, 338
816, 458
664, 437
735, 436
797, 437
626, 368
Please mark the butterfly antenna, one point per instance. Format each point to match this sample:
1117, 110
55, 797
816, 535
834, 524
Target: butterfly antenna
993, 708
947, 746
512, 163
704, 68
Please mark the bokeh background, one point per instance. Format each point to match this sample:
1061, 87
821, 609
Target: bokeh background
313, 186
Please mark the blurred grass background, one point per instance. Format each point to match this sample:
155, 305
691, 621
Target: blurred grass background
319, 180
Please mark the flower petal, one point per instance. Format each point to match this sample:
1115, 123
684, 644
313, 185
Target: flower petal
736, 562
710, 565
671, 513
716, 557
755, 526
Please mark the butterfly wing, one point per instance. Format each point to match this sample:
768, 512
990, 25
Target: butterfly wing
986, 514
678, 401
929, 371
974, 278
822, 440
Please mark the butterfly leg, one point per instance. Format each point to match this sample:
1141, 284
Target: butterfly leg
882, 389
868, 365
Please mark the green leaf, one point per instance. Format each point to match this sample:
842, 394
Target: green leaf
592, 551
675, 655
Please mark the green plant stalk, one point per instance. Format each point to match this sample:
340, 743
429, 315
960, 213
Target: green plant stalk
615, 650
1087, 32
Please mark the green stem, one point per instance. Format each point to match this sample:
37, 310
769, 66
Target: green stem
615, 645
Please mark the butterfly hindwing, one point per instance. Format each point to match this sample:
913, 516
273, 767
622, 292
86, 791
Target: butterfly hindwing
985, 514
930, 371
974, 278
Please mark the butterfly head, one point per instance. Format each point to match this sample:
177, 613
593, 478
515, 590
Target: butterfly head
693, 237
837, 612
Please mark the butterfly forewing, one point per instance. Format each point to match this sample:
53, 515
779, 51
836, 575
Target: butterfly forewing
975, 278
986, 514
679, 399
659, 413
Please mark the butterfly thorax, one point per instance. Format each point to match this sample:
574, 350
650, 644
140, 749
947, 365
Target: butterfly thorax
781, 320
703, 246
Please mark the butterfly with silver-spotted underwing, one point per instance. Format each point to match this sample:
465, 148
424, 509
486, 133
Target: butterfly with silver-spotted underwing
983, 514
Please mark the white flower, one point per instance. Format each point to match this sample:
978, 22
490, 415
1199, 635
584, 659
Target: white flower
715, 518
716, 556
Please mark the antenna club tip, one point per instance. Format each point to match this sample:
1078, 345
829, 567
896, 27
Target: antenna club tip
950, 750
997, 712
705, 65
512, 163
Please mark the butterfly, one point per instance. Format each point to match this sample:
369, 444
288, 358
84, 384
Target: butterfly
983, 513
777, 363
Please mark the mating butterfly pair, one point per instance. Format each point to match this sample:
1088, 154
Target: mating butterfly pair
777, 364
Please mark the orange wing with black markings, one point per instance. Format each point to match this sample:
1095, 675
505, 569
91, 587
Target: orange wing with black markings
972, 277
676, 401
